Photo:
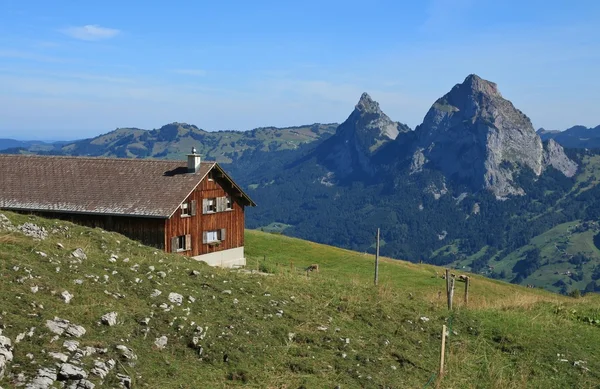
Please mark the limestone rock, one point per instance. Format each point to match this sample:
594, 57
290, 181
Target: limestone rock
475, 135
71, 345
155, 293
66, 296
124, 380
101, 369
60, 356
61, 326
68, 371
81, 384
79, 254
45, 379
175, 298
161, 342
6, 354
356, 140
33, 230
126, 352
554, 155
109, 319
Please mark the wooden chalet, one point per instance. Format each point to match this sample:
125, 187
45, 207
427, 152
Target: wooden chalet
195, 209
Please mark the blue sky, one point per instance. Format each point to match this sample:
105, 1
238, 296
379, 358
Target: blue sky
77, 69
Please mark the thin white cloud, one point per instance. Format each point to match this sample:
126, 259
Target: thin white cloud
91, 32
191, 72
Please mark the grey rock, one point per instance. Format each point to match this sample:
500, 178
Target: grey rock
161, 342
226, 291
45, 379
124, 380
68, 371
109, 319
474, 134
60, 245
161, 274
81, 384
79, 254
356, 140
101, 369
66, 296
71, 345
554, 155
126, 352
6, 354
61, 326
175, 298
60, 356
155, 293
33, 230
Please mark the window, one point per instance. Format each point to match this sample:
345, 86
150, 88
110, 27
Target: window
188, 209
214, 236
209, 205
228, 204
181, 243
211, 176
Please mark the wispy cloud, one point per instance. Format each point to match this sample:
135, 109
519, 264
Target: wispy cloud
91, 32
190, 72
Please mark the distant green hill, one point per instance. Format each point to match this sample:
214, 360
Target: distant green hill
175, 140
281, 329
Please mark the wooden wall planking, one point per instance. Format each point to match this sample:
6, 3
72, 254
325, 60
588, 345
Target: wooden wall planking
232, 221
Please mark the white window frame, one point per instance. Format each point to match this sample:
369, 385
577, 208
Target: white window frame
212, 205
228, 203
212, 236
186, 210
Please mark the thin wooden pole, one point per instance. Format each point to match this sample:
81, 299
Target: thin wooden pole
451, 294
443, 352
377, 260
467, 281
447, 281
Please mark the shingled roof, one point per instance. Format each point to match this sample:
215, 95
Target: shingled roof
109, 186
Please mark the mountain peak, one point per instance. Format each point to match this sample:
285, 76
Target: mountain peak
475, 83
367, 104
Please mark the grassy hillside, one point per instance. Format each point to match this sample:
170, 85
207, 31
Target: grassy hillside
175, 140
283, 330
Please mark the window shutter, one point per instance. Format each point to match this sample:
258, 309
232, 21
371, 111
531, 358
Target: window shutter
174, 244
193, 208
188, 242
204, 206
204, 237
219, 204
223, 234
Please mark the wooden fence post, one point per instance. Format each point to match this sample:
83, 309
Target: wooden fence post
447, 281
467, 281
441, 372
451, 294
377, 260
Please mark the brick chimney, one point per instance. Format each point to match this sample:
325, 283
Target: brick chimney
193, 161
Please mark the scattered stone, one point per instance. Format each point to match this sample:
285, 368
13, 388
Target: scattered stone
322, 328
60, 245
34, 289
66, 296
161, 274
124, 380
71, 345
44, 379
161, 342
191, 299
79, 254
424, 319
33, 230
101, 369
78, 282
60, 356
68, 371
126, 352
145, 321
61, 326
155, 293
109, 319
175, 298
195, 273
81, 384
226, 291
42, 254
6, 354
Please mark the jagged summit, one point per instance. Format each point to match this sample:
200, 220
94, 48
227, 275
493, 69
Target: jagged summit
478, 137
367, 104
359, 137
475, 84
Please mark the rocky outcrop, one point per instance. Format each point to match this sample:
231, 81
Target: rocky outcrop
358, 138
6, 354
554, 155
477, 137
